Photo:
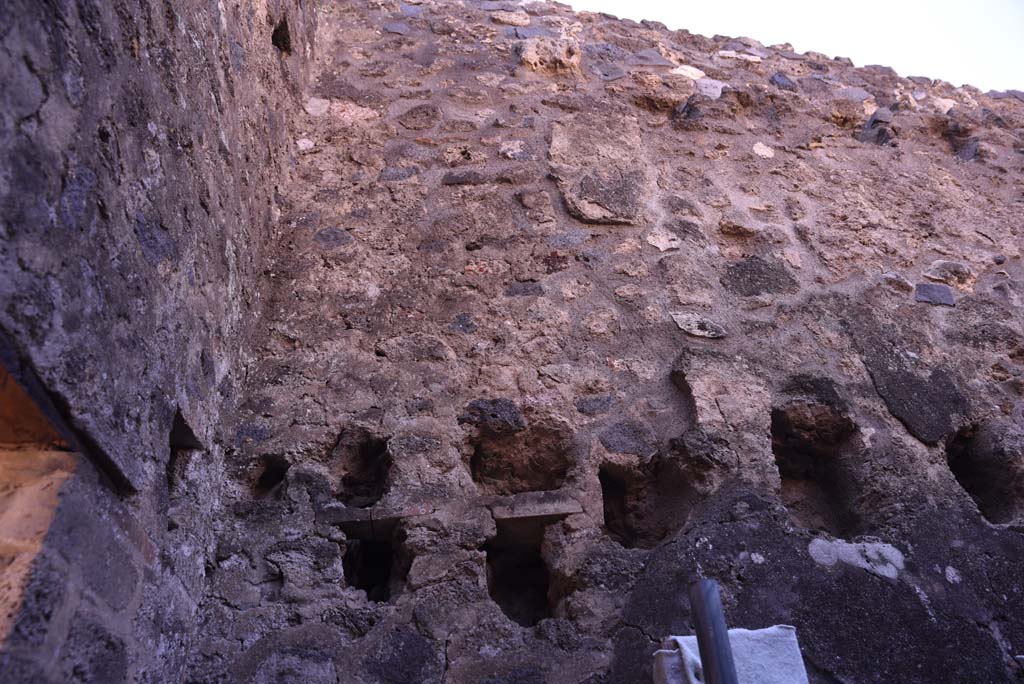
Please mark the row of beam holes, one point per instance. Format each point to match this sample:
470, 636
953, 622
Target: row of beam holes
359, 461
813, 444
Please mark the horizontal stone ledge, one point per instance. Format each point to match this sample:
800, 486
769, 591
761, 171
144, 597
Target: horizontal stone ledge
340, 514
552, 504
545, 504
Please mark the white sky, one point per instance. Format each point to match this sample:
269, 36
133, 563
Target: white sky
980, 42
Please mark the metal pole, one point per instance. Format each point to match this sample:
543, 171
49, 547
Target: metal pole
712, 634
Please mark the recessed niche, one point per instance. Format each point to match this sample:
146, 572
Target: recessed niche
810, 441
362, 462
988, 462
274, 468
182, 442
644, 505
375, 561
367, 565
537, 458
518, 578
281, 38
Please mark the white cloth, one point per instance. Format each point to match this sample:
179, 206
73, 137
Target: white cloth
762, 656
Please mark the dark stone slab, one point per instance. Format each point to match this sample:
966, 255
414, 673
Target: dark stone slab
333, 236
649, 57
41, 601
594, 405
398, 28
420, 117
525, 289
617, 192
608, 71
462, 323
878, 129
969, 150
307, 653
605, 52
92, 654
783, 82
524, 32
926, 400
1006, 94
404, 657
628, 437
754, 276
906, 632
464, 178
495, 416
397, 173
81, 527
934, 293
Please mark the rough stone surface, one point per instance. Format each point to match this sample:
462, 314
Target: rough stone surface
410, 275
139, 166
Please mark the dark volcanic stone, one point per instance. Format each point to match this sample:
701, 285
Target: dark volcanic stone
890, 618
464, 178
594, 405
397, 173
934, 293
494, 416
403, 657
155, 239
524, 32
878, 129
420, 117
618, 193
969, 150
927, 405
40, 604
397, 28
529, 288
92, 654
604, 52
649, 57
754, 276
462, 323
783, 82
517, 675
608, 71
628, 437
333, 237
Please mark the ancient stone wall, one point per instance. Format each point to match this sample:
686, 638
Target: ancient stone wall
568, 311
142, 145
